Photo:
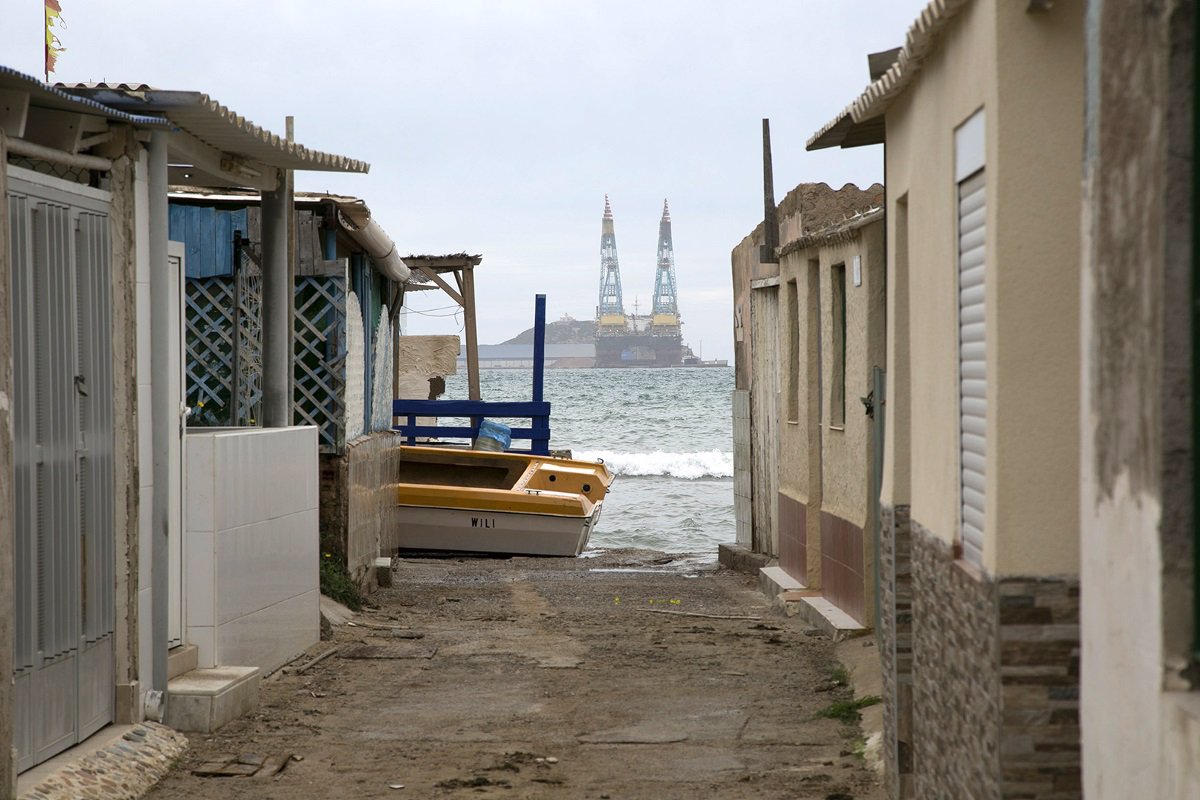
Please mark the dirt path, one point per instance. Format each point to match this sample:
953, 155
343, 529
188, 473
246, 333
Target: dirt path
546, 678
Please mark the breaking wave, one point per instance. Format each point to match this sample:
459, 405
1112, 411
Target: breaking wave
690, 466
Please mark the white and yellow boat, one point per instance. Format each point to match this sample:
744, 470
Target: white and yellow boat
489, 502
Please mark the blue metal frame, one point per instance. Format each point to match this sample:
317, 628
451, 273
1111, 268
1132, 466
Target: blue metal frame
536, 411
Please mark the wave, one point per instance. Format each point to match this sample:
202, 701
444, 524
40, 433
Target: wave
690, 466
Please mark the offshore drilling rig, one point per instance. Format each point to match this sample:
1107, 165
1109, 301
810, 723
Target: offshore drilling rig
637, 340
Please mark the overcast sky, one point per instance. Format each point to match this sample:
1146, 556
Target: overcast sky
498, 127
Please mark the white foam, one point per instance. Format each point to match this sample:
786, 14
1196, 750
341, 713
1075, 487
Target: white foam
691, 466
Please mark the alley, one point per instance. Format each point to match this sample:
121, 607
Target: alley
551, 678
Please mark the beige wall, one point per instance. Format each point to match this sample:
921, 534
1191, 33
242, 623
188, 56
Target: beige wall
1034, 291
1031, 90
846, 453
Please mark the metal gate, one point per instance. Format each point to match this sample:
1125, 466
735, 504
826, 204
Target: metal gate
62, 448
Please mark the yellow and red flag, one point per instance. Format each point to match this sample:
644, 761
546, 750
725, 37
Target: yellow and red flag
53, 45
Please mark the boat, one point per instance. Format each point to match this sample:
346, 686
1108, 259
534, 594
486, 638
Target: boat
479, 501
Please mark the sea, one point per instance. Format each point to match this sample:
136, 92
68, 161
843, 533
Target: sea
667, 434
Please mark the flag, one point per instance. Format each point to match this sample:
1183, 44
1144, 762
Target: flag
53, 45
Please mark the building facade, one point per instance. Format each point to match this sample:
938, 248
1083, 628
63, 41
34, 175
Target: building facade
980, 556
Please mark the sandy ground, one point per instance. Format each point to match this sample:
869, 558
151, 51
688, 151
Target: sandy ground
554, 678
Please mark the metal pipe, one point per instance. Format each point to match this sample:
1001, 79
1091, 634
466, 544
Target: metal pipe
539, 345
277, 360
374, 240
164, 411
21, 147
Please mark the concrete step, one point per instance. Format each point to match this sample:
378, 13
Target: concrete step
203, 700
821, 614
184, 658
773, 580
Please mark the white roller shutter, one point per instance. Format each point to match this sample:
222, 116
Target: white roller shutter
972, 363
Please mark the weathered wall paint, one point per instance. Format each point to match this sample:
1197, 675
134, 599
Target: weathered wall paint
125, 420
1141, 724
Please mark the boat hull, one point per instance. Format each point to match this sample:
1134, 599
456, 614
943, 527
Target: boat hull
499, 532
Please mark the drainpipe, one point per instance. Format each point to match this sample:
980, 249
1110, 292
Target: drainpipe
163, 410
276, 301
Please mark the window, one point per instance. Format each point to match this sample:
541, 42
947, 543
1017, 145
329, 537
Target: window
793, 352
837, 382
972, 334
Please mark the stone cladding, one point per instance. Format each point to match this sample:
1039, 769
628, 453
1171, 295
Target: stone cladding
895, 631
995, 666
124, 770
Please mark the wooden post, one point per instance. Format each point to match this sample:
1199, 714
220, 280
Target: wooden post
468, 284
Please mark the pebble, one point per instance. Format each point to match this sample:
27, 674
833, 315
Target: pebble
124, 770
551, 760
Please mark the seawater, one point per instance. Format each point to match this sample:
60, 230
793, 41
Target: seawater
667, 434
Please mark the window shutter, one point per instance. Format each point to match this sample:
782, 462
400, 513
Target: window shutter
972, 363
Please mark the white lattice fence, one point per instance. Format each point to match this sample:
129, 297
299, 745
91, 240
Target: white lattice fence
319, 376
209, 350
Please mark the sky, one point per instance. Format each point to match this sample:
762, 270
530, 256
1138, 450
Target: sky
497, 127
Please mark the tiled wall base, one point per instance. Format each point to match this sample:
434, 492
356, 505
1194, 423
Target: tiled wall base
895, 631
995, 681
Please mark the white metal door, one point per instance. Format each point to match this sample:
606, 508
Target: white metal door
64, 555
972, 362
175, 453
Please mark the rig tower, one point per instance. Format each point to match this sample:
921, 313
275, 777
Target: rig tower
666, 308
637, 340
610, 311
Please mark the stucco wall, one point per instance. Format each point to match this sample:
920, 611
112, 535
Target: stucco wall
824, 468
955, 81
1032, 285
1033, 347
846, 453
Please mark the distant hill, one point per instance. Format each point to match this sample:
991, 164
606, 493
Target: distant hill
563, 331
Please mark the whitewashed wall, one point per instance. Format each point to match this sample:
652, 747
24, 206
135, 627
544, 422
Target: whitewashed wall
381, 388
355, 365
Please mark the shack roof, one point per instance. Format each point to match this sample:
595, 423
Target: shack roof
30, 92
842, 231
861, 122
216, 126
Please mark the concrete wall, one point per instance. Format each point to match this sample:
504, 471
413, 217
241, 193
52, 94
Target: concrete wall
126, 469
1140, 711
145, 419
358, 503
251, 545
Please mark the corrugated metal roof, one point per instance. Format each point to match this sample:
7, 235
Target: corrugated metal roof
43, 95
216, 125
921, 40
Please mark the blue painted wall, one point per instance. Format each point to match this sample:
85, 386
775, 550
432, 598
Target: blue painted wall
207, 235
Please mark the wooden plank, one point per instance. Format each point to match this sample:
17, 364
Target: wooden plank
468, 279
445, 287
